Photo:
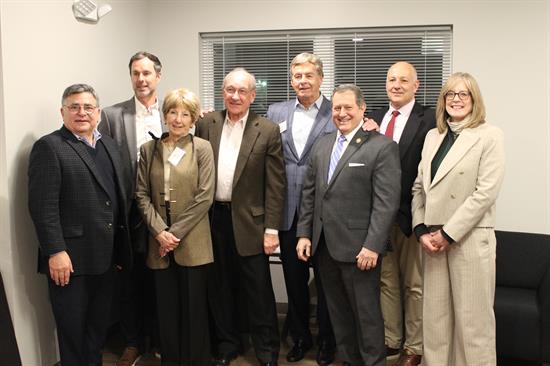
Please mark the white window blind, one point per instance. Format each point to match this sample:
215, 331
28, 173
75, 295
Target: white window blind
360, 56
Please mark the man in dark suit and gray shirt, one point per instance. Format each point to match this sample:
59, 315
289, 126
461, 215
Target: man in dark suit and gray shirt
130, 124
77, 201
302, 121
406, 122
350, 197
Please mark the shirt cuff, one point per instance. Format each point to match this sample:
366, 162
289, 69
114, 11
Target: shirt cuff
420, 230
447, 237
271, 231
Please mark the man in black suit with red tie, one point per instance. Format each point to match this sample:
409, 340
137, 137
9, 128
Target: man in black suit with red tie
77, 201
406, 122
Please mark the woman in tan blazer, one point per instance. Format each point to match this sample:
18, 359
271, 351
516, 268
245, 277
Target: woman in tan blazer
453, 207
174, 192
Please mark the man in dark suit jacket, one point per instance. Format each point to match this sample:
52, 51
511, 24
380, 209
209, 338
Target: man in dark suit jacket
302, 121
402, 267
349, 200
130, 124
245, 219
77, 200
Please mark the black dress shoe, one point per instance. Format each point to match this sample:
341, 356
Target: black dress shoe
325, 354
224, 360
298, 351
270, 363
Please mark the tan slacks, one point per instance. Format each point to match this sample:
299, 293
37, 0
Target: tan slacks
459, 290
401, 292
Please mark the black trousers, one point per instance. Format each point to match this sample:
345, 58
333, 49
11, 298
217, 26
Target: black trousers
231, 277
296, 274
353, 298
183, 314
82, 312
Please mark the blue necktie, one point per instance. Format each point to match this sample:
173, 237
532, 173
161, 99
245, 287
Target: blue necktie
336, 155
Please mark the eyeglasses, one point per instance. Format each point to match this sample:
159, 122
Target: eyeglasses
462, 95
231, 91
75, 108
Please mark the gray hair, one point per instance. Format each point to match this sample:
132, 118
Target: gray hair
359, 98
77, 89
236, 70
305, 57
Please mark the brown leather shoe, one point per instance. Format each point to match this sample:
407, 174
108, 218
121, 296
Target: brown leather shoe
408, 358
129, 357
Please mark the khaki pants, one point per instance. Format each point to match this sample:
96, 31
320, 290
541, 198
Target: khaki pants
401, 292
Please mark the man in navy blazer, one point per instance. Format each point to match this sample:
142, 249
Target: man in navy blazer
130, 124
402, 267
302, 121
350, 197
77, 200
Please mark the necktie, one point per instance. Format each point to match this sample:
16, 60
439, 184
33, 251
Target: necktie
391, 125
335, 156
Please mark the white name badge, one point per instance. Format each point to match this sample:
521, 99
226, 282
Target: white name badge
175, 156
282, 126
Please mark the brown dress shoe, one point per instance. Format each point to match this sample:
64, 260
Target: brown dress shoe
408, 358
129, 357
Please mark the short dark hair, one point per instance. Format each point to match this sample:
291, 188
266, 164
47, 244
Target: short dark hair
77, 89
359, 98
144, 54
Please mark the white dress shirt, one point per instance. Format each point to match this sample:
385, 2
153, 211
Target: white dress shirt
302, 122
400, 120
147, 119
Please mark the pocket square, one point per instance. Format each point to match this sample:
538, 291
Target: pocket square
355, 164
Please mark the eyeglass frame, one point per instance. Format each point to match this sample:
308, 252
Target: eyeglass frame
462, 95
75, 108
231, 91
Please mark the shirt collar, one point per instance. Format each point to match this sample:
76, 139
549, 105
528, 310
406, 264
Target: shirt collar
352, 133
243, 119
317, 103
96, 136
405, 110
141, 109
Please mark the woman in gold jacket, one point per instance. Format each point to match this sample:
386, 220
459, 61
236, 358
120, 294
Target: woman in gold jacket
453, 208
174, 192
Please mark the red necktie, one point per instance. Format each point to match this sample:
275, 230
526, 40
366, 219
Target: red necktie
391, 125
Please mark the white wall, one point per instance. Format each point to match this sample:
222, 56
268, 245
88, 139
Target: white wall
504, 44
44, 49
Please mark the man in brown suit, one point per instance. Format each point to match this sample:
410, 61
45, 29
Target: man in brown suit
245, 219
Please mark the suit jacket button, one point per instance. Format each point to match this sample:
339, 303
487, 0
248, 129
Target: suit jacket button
109, 226
108, 203
453, 196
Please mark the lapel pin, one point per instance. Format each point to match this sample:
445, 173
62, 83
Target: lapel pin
358, 141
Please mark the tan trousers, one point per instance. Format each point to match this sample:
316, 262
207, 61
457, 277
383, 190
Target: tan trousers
459, 291
401, 289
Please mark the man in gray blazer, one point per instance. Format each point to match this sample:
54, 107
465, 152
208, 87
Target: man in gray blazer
349, 201
302, 121
130, 124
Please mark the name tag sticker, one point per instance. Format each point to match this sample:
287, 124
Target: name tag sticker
282, 126
175, 156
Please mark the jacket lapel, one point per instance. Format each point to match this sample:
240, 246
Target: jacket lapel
250, 134
129, 120
82, 152
324, 116
411, 129
463, 143
357, 140
289, 140
215, 133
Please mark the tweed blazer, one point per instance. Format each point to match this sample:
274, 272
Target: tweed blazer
357, 207
191, 195
259, 180
296, 166
463, 192
70, 205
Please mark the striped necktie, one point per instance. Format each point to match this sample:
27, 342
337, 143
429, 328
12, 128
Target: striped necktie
336, 155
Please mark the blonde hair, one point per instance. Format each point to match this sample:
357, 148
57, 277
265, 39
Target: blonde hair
182, 98
477, 115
